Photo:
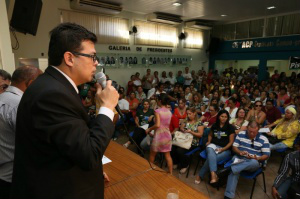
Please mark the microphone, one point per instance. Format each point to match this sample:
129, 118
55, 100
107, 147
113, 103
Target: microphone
101, 79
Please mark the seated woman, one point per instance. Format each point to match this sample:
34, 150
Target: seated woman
272, 112
220, 140
143, 117
239, 122
210, 117
140, 95
193, 126
180, 111
198, 103
231, 108
246, 103
286, 130
257, 114
188, 95
133, 103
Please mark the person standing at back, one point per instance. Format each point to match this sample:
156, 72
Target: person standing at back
5, 79
187, 77
57, 153
9, 101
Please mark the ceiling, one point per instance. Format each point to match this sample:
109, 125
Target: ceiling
212, 9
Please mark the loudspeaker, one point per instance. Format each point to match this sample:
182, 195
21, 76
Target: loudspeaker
26, 15
182, 36
213, 45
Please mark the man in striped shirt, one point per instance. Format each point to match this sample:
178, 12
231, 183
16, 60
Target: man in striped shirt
252, 149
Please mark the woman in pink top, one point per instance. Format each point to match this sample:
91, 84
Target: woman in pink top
162, 140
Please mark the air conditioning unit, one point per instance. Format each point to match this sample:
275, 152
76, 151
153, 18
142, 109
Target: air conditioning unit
95, 6
198, 24
164, 18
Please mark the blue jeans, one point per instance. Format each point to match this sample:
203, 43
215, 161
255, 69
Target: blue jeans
212, 160
278, 145
284, 187
233, 178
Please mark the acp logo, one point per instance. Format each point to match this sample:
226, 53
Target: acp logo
235, 44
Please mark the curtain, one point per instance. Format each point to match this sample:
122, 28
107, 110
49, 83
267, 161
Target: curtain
194, 38
109, 30
155, 34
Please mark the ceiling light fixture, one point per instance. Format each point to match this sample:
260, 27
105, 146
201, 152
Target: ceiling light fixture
177, 4
271, 7
223, 15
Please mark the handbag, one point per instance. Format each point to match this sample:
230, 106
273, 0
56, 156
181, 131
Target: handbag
183, 140
273, 140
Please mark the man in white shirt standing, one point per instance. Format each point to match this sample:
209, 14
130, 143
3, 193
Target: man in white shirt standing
188, 77
171, 79
163, 78
124, 107
9, 102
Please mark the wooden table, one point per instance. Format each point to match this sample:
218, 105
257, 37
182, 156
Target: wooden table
131, 177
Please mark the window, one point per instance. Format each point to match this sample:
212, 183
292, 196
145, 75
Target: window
155, 34
109, 30
194, 38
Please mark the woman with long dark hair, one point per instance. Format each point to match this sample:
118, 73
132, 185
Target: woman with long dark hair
143, 117
220, 140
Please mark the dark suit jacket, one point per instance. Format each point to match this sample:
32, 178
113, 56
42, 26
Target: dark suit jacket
57, 154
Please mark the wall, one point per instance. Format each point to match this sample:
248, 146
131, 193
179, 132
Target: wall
34, 46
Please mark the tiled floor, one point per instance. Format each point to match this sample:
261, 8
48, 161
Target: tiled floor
244, 186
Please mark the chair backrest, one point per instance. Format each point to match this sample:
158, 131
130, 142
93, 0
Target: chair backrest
297, 139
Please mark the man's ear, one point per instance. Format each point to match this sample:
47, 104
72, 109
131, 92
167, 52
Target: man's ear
69, 58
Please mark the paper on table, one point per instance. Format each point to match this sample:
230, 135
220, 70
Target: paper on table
105, 160
264, 130
145, 126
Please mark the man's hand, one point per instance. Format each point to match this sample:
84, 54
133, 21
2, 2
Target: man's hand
243, 153
108, 96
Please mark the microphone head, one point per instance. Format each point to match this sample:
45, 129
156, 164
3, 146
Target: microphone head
101, 79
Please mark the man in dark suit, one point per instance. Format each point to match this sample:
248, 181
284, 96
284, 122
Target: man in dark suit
57, 153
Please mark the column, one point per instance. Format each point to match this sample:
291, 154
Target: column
7, 56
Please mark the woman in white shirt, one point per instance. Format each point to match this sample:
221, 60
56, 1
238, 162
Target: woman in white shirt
240, 123
231, 108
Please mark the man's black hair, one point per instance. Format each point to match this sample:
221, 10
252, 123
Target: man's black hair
5, 75
67, 37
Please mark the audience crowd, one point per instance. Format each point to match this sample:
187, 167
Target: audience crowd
229, 116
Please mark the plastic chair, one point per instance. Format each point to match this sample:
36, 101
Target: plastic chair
131, 133
250, 175
190, 153
203, 155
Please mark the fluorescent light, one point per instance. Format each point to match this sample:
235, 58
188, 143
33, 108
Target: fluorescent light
271, 7
177, 4
223, 15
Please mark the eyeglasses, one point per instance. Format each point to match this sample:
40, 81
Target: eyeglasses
94, 56
258, 105
252, 145
211, 110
